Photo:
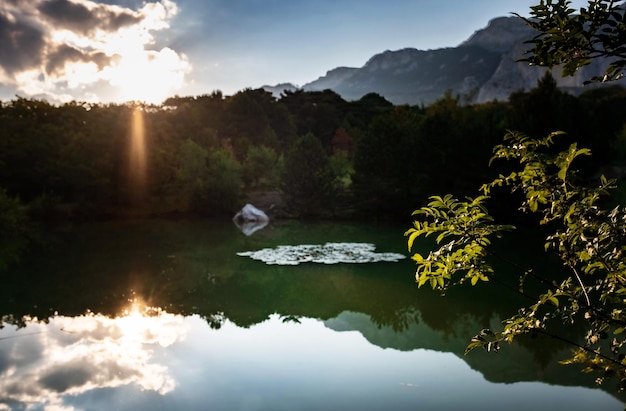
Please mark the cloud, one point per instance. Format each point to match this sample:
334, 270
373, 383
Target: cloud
86, 50
64, 54
86, 17
22, 45
74, 356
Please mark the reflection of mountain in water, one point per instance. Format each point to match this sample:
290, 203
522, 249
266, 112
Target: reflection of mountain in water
190, 268
514, 363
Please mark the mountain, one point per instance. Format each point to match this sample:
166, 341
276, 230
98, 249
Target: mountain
333, 78
415, 76
482, 68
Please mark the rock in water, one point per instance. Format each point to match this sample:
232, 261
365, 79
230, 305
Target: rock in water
250, 219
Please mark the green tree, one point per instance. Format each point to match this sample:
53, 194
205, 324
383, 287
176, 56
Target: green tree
261, 166
588, 236
341, 170
192, 175
386, 175
544, 108
224, 182
316, 112
306, 180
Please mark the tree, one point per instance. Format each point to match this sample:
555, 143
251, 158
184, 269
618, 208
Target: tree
260, 166
306, 179
224, 182
544, 108
587, 236
384, 157
192, 175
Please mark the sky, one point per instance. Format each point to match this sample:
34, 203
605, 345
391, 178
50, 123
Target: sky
148, 50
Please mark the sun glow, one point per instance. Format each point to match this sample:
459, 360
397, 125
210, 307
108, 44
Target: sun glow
140, 323
147, 76
110, 54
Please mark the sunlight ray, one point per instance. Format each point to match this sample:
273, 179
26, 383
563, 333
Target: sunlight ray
138, 157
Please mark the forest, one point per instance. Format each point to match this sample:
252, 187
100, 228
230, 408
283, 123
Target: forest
323, 156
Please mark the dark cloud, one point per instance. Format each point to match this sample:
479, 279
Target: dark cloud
16, 3
62, 55
65, 376
68, 15
79, 18
81, 372
117, 20
4, 361
22, 45
65, 54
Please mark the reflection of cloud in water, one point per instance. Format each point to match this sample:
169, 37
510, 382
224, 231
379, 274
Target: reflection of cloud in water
72, 356
329, 253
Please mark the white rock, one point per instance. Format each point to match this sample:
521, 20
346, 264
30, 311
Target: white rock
250, 219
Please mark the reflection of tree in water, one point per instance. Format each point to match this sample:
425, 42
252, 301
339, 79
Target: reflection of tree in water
19, 321
187, 268
399, 319
216, 320
464, 311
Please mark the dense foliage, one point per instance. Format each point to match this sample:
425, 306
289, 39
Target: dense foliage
589, 239
553, 178
209, 154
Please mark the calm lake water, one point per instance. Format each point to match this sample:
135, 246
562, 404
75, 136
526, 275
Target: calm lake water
165, 315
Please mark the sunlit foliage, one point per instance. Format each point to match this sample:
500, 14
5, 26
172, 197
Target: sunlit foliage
573, 208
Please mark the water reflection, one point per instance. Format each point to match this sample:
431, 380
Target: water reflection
46, 363
149, 359
250, 227
234, 333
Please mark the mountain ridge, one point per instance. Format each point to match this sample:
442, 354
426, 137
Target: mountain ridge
482, 68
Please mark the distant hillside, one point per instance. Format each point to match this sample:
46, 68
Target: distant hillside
482, 68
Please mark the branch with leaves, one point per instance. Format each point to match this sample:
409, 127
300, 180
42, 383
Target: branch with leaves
589, 240
573, 38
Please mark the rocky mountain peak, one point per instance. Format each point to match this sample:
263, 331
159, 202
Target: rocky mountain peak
501, 34
483, 68
331, 80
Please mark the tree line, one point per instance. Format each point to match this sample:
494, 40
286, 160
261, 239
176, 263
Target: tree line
327, 157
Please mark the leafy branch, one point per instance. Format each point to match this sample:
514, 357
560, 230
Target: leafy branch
572, 40
589, 240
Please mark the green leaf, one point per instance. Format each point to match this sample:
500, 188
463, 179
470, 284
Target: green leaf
441, 236
440, 282
417, 258
422, 279
414, 234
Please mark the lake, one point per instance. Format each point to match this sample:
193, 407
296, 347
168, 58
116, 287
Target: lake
174, 315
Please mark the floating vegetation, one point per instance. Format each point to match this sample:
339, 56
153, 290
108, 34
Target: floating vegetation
329, 253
